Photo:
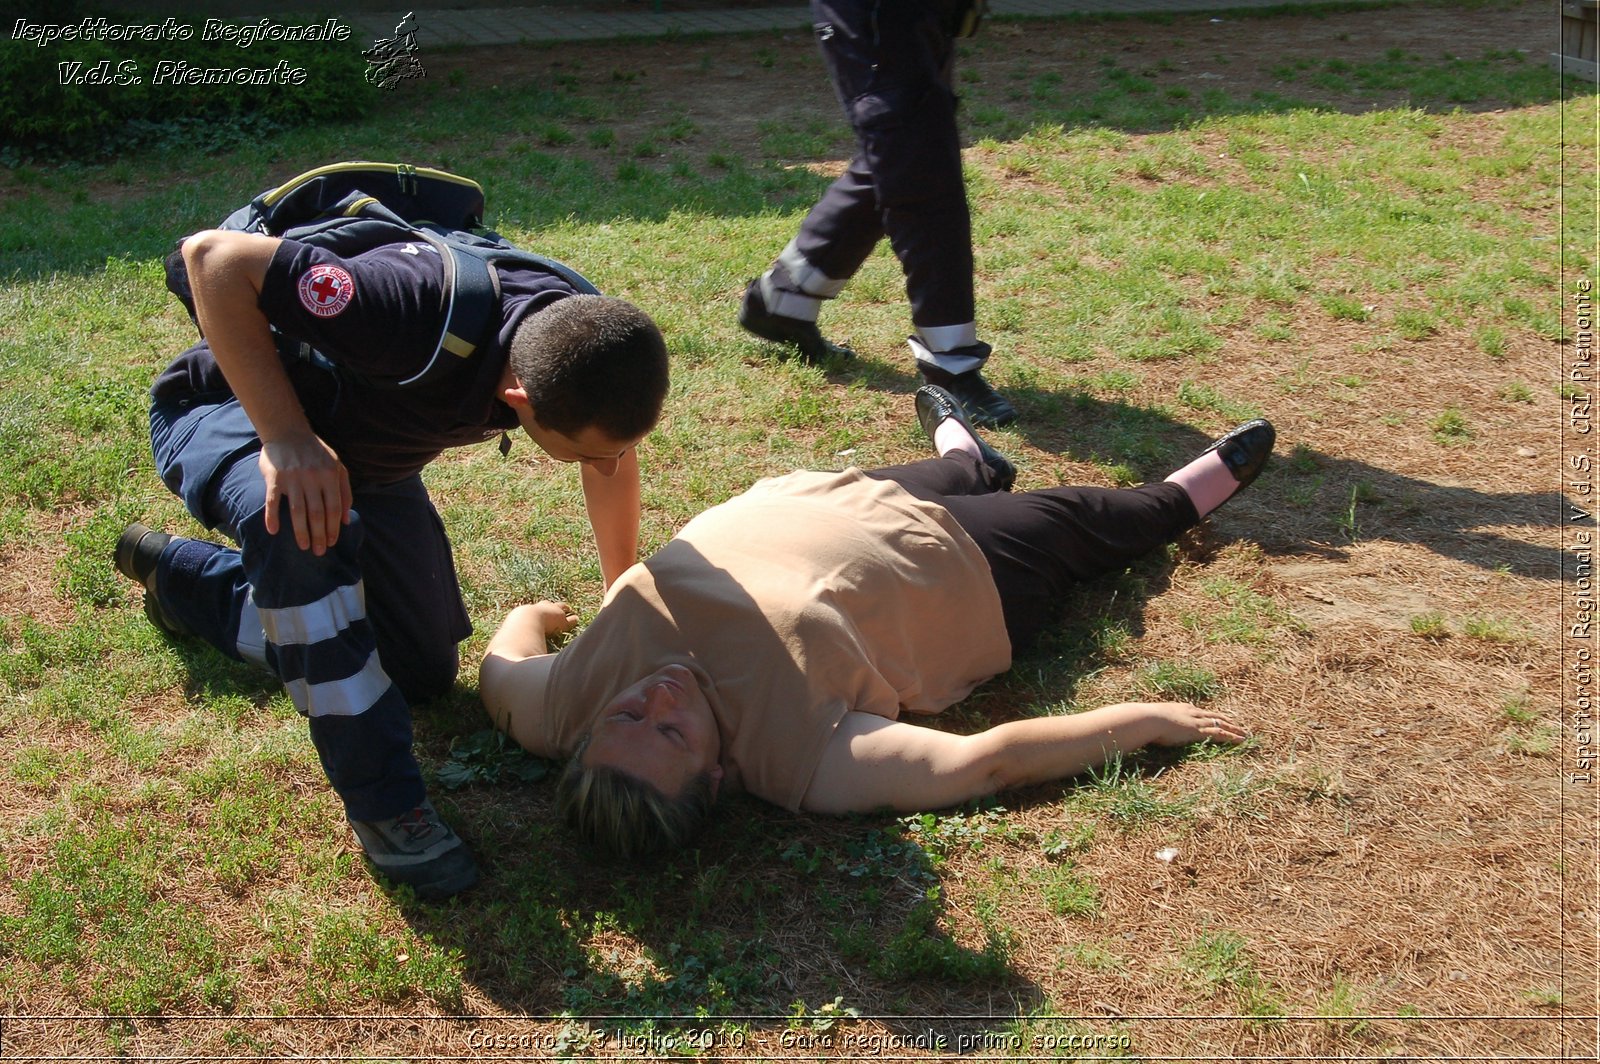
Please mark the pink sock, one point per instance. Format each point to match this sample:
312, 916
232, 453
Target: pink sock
1208, 481
951, 436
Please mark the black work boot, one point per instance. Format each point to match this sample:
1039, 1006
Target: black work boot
984, 405
803, 335
138, 551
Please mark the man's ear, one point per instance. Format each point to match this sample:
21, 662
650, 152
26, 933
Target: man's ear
716, 775
512, 393
516, 396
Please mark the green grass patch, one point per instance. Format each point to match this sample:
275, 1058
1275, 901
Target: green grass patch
1204, 397
90, 915
1067, 892
1178, 681
920, 951
1243, 616
1492, 630
1518, 711
1120, 794
1516, 392
1343, 308
1220, 962
1431, 625
943, 836
351, 962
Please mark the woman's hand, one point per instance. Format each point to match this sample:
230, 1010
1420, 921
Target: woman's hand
1179, 722
554, 617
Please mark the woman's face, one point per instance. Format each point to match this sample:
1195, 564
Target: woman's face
661, 730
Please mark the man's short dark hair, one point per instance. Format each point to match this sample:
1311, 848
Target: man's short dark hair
592, 361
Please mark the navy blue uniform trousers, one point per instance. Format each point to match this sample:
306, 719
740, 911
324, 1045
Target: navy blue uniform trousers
891, 63
1041, 543
355, 635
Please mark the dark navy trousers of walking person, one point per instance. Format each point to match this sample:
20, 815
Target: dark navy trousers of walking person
891, 63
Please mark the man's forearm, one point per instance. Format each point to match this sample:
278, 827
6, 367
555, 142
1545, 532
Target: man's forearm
226, 272
612, 504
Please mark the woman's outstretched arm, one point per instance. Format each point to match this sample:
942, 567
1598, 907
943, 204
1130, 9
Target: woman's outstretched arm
873, 763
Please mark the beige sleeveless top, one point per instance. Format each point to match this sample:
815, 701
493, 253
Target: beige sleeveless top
807, 597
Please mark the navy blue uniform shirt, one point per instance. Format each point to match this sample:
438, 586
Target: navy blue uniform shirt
378, 315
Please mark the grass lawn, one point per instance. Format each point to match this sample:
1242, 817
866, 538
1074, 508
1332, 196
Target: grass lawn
1364, 225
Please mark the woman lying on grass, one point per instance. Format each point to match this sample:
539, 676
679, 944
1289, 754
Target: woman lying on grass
773, 644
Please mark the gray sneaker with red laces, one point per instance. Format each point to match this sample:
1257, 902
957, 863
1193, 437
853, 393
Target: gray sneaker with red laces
419, 850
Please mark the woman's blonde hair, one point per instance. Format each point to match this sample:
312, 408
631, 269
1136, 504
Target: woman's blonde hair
626, 817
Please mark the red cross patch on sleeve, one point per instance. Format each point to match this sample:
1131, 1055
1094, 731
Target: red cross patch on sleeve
326, 290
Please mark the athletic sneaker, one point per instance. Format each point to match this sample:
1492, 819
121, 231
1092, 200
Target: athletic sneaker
418, 849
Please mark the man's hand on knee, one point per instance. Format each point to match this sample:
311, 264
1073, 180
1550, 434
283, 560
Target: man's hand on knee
305, 473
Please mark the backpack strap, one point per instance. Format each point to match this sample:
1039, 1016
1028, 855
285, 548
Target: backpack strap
472, 299
472, 295
357, 221
577, 280
351, 207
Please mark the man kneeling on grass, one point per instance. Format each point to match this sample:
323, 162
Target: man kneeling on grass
773, 644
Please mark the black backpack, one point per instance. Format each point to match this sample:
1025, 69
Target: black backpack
353, 207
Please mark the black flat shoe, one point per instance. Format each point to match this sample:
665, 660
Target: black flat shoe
935, 405
814, 349
1245, 450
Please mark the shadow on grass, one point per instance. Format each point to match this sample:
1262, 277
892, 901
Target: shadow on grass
1305, 503
772, 912
1308, 502
213, 676
532, 177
